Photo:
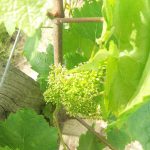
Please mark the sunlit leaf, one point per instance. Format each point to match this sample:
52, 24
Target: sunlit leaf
23, 14
26, 130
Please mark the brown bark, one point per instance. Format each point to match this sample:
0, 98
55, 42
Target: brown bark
58, 29
18, 91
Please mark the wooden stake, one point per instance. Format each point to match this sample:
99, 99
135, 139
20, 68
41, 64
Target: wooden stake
58, 29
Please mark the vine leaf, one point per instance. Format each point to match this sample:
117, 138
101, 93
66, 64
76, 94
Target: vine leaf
40, 61
133, 125
88, 30
127, 67
26, 130
88, 141
26, 15
78, 50
82, 37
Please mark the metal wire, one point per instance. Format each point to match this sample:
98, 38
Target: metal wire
9, 60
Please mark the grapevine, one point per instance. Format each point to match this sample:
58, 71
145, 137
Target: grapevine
111, 38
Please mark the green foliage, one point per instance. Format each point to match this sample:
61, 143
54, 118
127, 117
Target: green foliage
126, 70
48, 113
73, 59
99, 59
26, 15
77, 91
125, 24
113, 84
132, 125
89, 9
27, 130
7, 148
40, 61
88, 141
82, 37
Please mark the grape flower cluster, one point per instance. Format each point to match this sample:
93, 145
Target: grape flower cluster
79, 92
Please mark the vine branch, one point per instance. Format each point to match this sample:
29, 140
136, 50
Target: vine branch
56, 122
80, 20
101, 138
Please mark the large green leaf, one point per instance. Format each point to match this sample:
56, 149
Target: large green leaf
133, 125
27, 131
82, 37
126, 69
128, 76
78, 50
89, 141
89, 9
125, 17
24, 14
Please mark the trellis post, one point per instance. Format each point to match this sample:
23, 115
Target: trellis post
58, 30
